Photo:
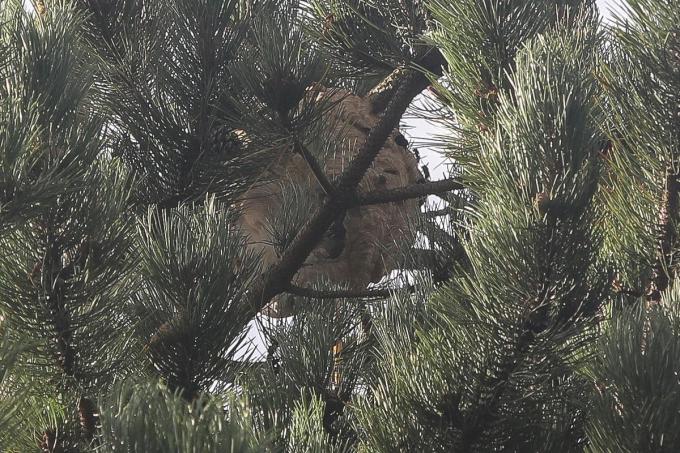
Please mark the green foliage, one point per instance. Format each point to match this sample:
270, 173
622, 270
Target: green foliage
9, 355
492, 364
147, 417
165, 86
286, 63
64, 265
41, 138
370, 36
636, 394
480, 40
300, 394
61, 280
642, 76
130, 131
307, 432
193, 277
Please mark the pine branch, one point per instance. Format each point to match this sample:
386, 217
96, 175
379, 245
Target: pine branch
442, 264
670, 202
89, 417
474, 424
316, 169
338, 294
485, 413
438, 235
366, 321
478, 419
408, 192
451, 242
53, 286
381, 94
278, 277
171, 202
437, 213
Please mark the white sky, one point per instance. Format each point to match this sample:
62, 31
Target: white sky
606, 5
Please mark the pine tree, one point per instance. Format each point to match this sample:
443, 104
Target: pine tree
539, 315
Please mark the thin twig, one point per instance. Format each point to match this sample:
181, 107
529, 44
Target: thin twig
339, 293
408, 192
316, 169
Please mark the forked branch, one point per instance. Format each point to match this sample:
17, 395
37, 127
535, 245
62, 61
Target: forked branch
277, 279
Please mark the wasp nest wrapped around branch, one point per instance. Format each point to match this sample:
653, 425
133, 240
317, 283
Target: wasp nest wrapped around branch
359, 248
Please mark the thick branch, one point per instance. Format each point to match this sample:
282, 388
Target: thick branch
381, 94
278, 277
666, 237
417, 259
408, 192
437, 213
338, 294
89, 418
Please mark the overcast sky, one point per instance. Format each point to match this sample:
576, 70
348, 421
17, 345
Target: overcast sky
606, 5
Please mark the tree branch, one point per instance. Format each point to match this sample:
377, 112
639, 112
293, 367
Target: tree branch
407, 192
339, 293
441, 263
416, 259
670, 202
437, 213
381, 94
316, 169
279, 276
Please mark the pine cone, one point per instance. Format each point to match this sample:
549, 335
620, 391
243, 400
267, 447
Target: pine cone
50, 443
166, 334
40, 7
223, 142
35, 273
88, 417
541, 202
